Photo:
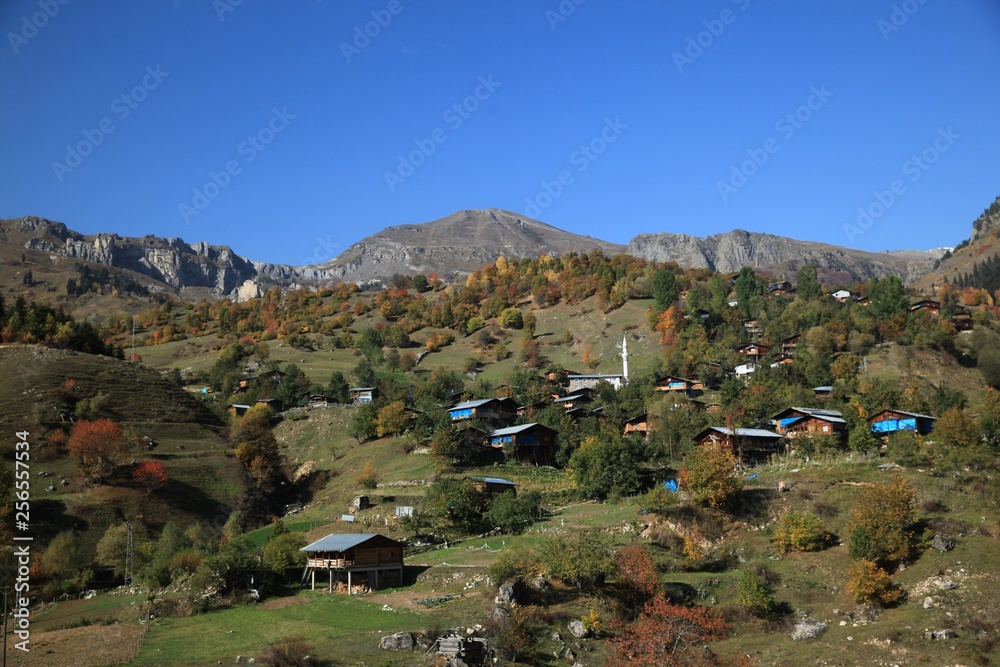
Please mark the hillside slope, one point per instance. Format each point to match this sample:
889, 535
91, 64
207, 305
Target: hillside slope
982, 245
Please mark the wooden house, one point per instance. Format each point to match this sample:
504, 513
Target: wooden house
490, 486
780, 288
790, 345
752, 351
862, 300
671, 383
794, 422
782, 359
753, 328
750, 445
962, 319
573, 401
527, 443
495, 411
933, 308
531, 408
360, 395
356, 558
577, 414
318, 401
273, 403
238, 409
639, 425
888, 422
823, 392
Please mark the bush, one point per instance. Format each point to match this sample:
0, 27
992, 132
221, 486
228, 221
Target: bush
754, 596
870, 584
368, 477
904, 448
289, 652
800, 531
512, 513
511, 318
515, 563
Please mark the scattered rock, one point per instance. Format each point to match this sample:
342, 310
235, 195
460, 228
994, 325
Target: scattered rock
50, 488
937, 635
948, 585
509, 592
401, 641
570, 655
808, 629
577, 629
456, 662
499, 614
942, 542
556, 637
929, 602
239, 659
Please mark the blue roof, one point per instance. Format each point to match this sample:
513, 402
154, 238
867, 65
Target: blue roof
340, 542
495, 480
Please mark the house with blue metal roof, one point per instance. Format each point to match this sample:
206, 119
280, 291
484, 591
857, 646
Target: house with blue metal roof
359, 560
495, 411
750, 445
793, 422
888, 422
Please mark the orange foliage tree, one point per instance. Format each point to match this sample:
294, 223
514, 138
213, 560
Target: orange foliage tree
150, 474
98, 447
637, 576
668, 635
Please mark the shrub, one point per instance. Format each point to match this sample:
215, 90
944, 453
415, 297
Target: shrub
754, 596
368, 477
512, 513
904, 448
511, 318
870, 584
289, 652
799, 531
515, 563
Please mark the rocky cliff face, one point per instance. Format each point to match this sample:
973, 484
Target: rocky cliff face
168, 260
783, 256
462, 242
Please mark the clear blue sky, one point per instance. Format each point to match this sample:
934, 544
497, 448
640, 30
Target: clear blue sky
201, 77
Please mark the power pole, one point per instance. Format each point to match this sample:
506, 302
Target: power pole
128, 554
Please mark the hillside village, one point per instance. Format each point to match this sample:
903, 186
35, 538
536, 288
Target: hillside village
580, 459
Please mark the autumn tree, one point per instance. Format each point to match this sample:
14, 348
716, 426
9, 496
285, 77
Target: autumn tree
709, 476
256, 447
957, 427
668, 635
368, 477
392, 419
881, 523
637, 577
870, 584
150, 474
98, 447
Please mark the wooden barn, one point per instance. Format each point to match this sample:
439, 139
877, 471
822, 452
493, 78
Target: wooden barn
360, 395
793, 422
752, 351
496, 411
750, 445
528, 443
933, 308
888, 422
790, 345
490, 486
356, 559
671, 383
639, 425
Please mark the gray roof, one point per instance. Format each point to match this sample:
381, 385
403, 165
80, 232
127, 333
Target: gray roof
588, 377
340, 542
574, 397
909, 414
746, 432
362, 388
471, 404
826, 415
494, 480
513, 430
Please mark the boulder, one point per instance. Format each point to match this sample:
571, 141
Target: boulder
577, 629
509, 592
401, 641
808, 629
937, 635
942, 542
948, 585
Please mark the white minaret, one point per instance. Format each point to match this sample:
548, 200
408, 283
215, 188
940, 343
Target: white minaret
625, 359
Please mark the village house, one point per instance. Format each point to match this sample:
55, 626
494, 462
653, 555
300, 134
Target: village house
238, 409
494, 411
577, 382
362, 395
790, 345
823, 392
782, 359
528, 443
750, 445
962, 319
318, 401
672, 383
794, 422
928, 306
356, 559
753, 328
573, 401
752, 351
888, 422
639, 425
841, 295
745, 370
490, 486
862, 300
779, 288
531, 408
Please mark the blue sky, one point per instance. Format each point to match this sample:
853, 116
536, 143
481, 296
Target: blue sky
286, 132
